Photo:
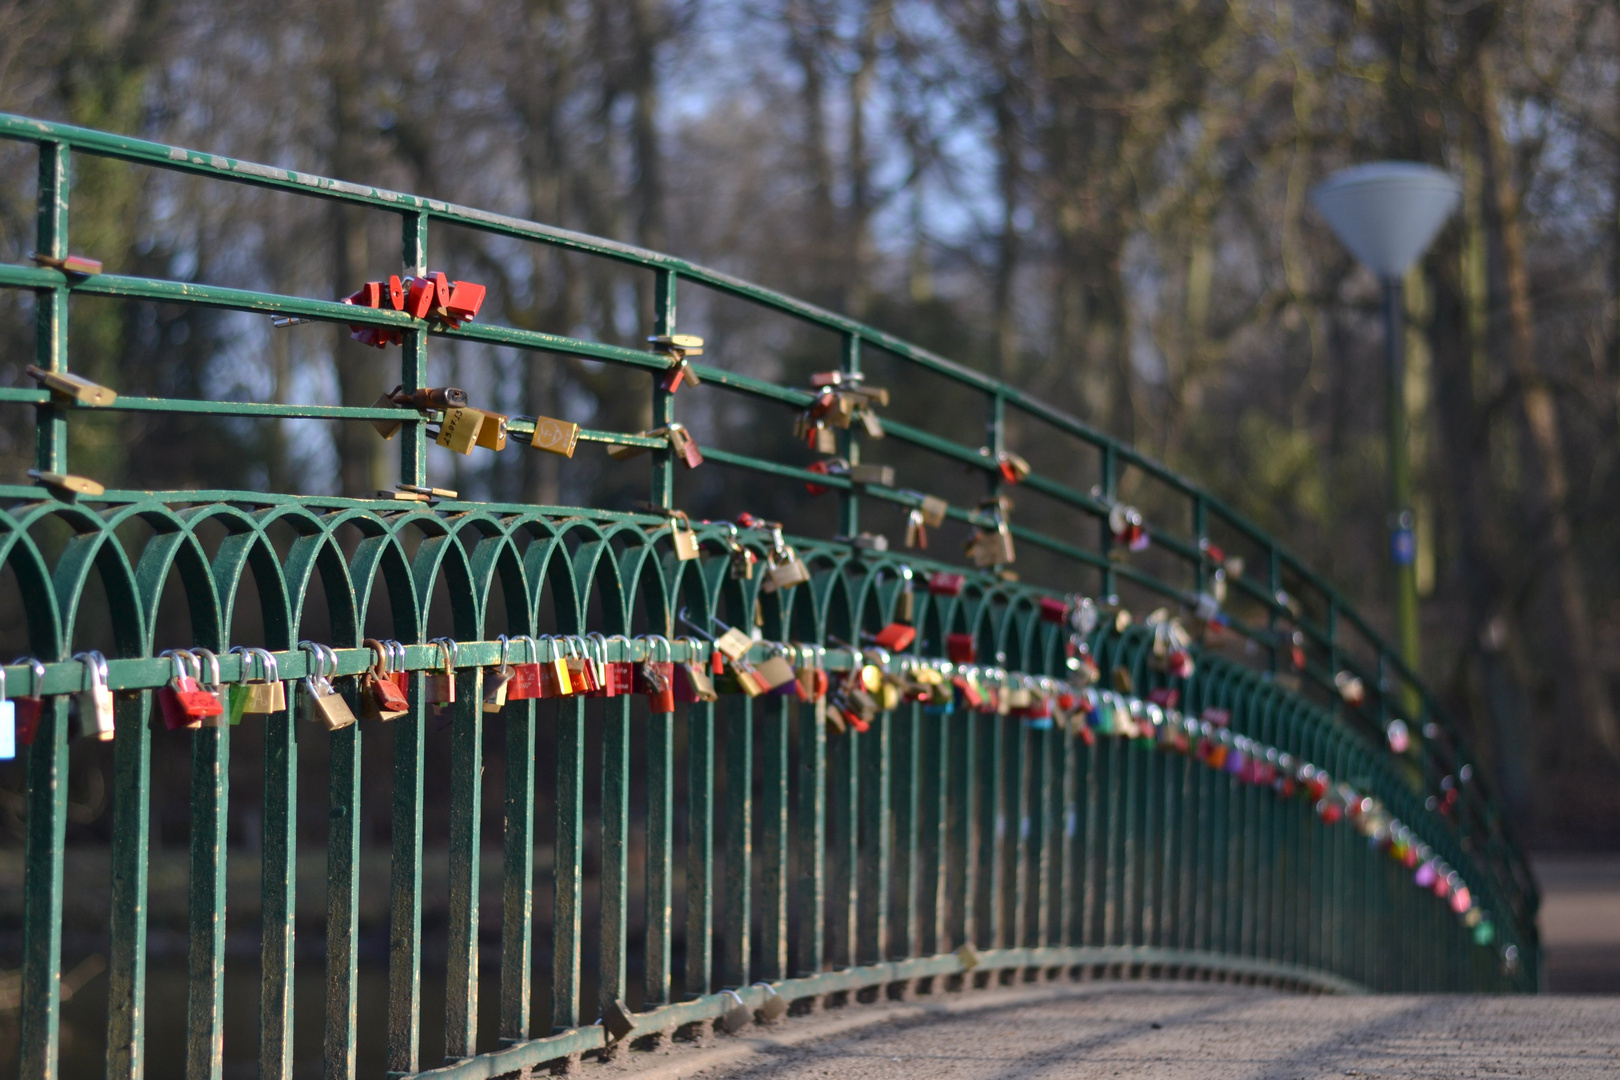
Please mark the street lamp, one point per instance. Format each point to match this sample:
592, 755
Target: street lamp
1387, 213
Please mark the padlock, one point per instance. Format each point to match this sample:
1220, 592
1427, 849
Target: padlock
1013, 468
734, 644
258, 696
1054, 610
459, 429
27, 708
95, 700
554, 677
525, 684
916, 533
496, 684
684, 446
492, 430
933, 510
440, 686
213, 687
747, 679
692, 683
654, 678
737, 1017
558, 437
880, 475
683, 538
436, 397
582, 673
943, 583
380, 695
419, 294
895, 637
465, 299
788, 570
323, 704
182, 703
960, 649
777, 675
870, 423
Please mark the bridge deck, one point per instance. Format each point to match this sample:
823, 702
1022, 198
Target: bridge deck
1171, 1031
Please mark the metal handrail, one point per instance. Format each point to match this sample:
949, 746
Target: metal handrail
1478, 833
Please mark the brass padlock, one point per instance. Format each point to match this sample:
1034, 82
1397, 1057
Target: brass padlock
788, 570
323, 704
459, 429
440, 687
95, 700
74, 387
492, 431
553, 436
882, 475
683, 538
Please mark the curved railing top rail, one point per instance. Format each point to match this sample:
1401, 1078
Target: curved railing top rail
1393, 684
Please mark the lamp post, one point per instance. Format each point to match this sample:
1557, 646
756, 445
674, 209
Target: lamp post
1387, 213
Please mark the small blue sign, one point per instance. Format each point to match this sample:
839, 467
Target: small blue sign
1403, 547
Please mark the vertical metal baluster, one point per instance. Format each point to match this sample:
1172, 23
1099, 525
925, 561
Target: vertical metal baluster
874, 849
342, 901
1092, 858
1047, 821
1019, 815
466, 812
42, 892
413, 356
849, 445
663, 402
739, 842
1114, 843
51, 305
131, 805
993, 842
660, 852
517, 896
811, 830
47, 758
907, 801
774, 840
700, 850
1130, 839
566, 864
963, 799
615, 833
843, 884
205, 1004
1070, 904
938, 826
405, 887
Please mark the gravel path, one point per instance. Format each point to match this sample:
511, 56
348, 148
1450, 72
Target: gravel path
1171, 1031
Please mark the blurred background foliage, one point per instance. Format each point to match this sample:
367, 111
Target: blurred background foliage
1104, 202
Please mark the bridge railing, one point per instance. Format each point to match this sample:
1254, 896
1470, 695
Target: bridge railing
1106, 832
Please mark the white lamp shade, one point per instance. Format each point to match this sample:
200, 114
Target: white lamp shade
1387, 213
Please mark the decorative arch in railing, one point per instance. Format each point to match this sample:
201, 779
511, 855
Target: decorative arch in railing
944, 846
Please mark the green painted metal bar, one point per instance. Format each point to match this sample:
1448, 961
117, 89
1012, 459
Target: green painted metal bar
811, 832
517, 894
615, 851
343, 903
660, 854
46, 827
874, 846
205, 1006
700, 898
907, 797
51, 303
466, 803
405, 888
737, 932
843, 860
567, 871
131, 806
774, 838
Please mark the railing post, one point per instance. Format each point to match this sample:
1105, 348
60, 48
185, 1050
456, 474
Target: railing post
663, 459
1274, 585
413, 357
849, 501
1107, 486
51, 306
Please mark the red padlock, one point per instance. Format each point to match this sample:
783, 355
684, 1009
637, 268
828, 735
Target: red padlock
418, 297
895, 637
655, 678
184, 705
820, 468
465, 300
1054, 610
959, 647
28, 709
970, 693
1165, 696
396, 293
941, 583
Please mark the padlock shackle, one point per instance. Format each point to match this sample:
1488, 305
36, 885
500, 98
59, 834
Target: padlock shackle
95, 669
449, 652
381, 657
658, 639
177, 659
35, 666
686, 621
213, 662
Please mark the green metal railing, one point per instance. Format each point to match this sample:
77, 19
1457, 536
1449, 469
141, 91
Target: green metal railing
942, 847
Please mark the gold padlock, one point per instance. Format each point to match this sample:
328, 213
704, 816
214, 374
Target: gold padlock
460, 428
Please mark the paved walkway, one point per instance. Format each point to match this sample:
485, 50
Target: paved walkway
1171, 1031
